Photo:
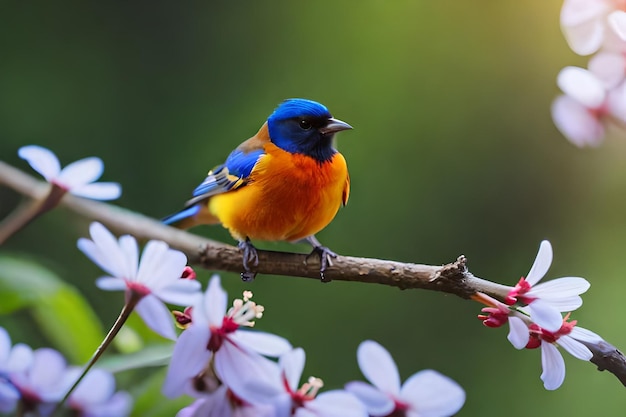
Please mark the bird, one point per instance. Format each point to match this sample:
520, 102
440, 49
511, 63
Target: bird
285, 183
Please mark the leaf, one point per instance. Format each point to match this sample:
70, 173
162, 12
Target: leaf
62, 313
153, 355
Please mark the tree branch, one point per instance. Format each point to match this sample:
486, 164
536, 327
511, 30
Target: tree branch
453, 278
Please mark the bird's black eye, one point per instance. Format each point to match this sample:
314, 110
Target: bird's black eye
305, 124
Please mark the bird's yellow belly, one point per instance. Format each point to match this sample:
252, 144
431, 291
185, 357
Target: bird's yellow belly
275, 206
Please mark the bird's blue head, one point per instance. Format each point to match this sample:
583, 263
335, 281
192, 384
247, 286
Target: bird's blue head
305, 127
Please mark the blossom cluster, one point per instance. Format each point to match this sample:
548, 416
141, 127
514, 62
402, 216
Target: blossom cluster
233, 370
534, 314
35, 381
594, 98
226, 366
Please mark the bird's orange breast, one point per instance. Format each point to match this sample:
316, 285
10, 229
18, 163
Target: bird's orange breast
288, 197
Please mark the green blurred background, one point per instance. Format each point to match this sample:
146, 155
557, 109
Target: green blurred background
453, 152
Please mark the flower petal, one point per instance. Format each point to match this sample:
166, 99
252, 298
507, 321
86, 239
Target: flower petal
542, 263
99, 190
119, 405
617, 101
21, 358
581, 22
617, 21
609, 67
579, 125
375, 401
128, 246
545, 315
156, 316
5, 347
182, 292
189, 358
170, 268
560, 288
584, 335
575, 12
46, 371
8, 398
104, 250
292, 365
240, 370
266, 344
336, 403
41, 160
518, 333
154, 253
432, 394
83, 171
553, 366
378, 367
575, 348
111, 284
582, 85
97, 387
565, 304
215, 300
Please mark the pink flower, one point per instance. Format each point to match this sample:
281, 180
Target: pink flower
156, 279
77, 178
581, 114
525, 334
585, 23
426, 393
215, 344
546, 301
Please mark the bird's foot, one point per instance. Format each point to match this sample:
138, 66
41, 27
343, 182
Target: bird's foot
250, 257
326, 256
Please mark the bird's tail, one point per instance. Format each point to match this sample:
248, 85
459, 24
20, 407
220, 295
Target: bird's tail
185, 218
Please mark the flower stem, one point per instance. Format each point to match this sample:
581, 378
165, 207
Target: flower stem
26, 214
128, 308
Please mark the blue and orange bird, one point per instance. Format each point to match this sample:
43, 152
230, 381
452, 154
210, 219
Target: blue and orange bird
285, 183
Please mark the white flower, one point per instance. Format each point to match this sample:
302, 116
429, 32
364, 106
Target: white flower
569, 337
156, 279
215, 342
77, 178
546, 301
579, 114
585, 24
426, 393
95, 396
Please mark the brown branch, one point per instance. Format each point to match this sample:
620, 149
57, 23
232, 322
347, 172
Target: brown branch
453, 278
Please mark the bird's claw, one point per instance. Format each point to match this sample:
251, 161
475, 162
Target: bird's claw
250, 257
326, 256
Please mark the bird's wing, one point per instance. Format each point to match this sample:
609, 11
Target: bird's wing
346, 191
233, 173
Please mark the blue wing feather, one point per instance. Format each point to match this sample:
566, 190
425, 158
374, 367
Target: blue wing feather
238, 166
182, 215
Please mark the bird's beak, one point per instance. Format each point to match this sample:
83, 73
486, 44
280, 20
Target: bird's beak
334, 125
